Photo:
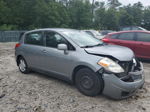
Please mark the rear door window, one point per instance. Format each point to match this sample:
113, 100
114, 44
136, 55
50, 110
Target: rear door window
34, 38
126, 36
144, 37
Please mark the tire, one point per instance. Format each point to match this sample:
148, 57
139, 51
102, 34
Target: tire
22, 65
88, 82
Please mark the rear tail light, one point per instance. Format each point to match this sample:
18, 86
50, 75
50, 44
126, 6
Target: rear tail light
105, 40
17, 45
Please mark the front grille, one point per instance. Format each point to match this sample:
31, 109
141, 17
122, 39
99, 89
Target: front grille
127, 66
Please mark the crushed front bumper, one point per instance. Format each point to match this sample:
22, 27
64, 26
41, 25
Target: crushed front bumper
117, 88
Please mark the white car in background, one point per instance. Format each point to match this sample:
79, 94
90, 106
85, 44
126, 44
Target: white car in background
94, 33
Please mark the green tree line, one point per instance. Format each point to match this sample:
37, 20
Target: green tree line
78, 14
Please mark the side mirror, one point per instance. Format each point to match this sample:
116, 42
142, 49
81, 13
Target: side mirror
63, 47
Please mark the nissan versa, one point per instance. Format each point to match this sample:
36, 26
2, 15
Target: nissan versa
73, 55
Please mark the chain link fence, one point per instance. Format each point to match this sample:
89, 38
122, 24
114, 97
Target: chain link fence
10, 36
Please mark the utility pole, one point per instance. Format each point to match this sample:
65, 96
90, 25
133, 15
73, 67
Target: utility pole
93, 7
93, 10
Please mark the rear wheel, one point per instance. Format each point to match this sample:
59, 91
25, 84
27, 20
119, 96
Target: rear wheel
23, 67
88, 82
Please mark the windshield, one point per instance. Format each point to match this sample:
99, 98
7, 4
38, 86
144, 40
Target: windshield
82, 39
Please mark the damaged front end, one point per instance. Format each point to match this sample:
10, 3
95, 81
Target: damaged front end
121, 72
123, 85
132, 69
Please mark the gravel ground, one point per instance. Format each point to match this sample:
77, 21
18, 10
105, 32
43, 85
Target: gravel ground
39, 93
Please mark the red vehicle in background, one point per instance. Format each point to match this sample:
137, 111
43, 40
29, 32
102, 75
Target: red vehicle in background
138, 41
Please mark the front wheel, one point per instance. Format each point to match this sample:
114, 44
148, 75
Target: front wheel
88, 82
23, 67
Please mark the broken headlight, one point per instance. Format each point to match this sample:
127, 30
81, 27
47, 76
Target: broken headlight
110, 65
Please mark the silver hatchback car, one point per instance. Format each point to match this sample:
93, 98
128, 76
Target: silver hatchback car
73, 55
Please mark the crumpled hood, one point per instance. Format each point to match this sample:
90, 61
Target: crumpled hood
118, 52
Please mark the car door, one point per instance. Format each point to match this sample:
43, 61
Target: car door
142, 48
33, 49
127, 39
55, 60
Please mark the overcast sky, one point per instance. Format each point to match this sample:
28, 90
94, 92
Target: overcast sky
125, 2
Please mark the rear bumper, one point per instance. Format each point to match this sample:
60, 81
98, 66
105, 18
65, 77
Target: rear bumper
118, 89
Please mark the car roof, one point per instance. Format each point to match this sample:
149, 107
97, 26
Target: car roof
89, 30
53, 29
142, 31
105, 30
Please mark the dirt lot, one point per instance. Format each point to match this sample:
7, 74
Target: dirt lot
38, 93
